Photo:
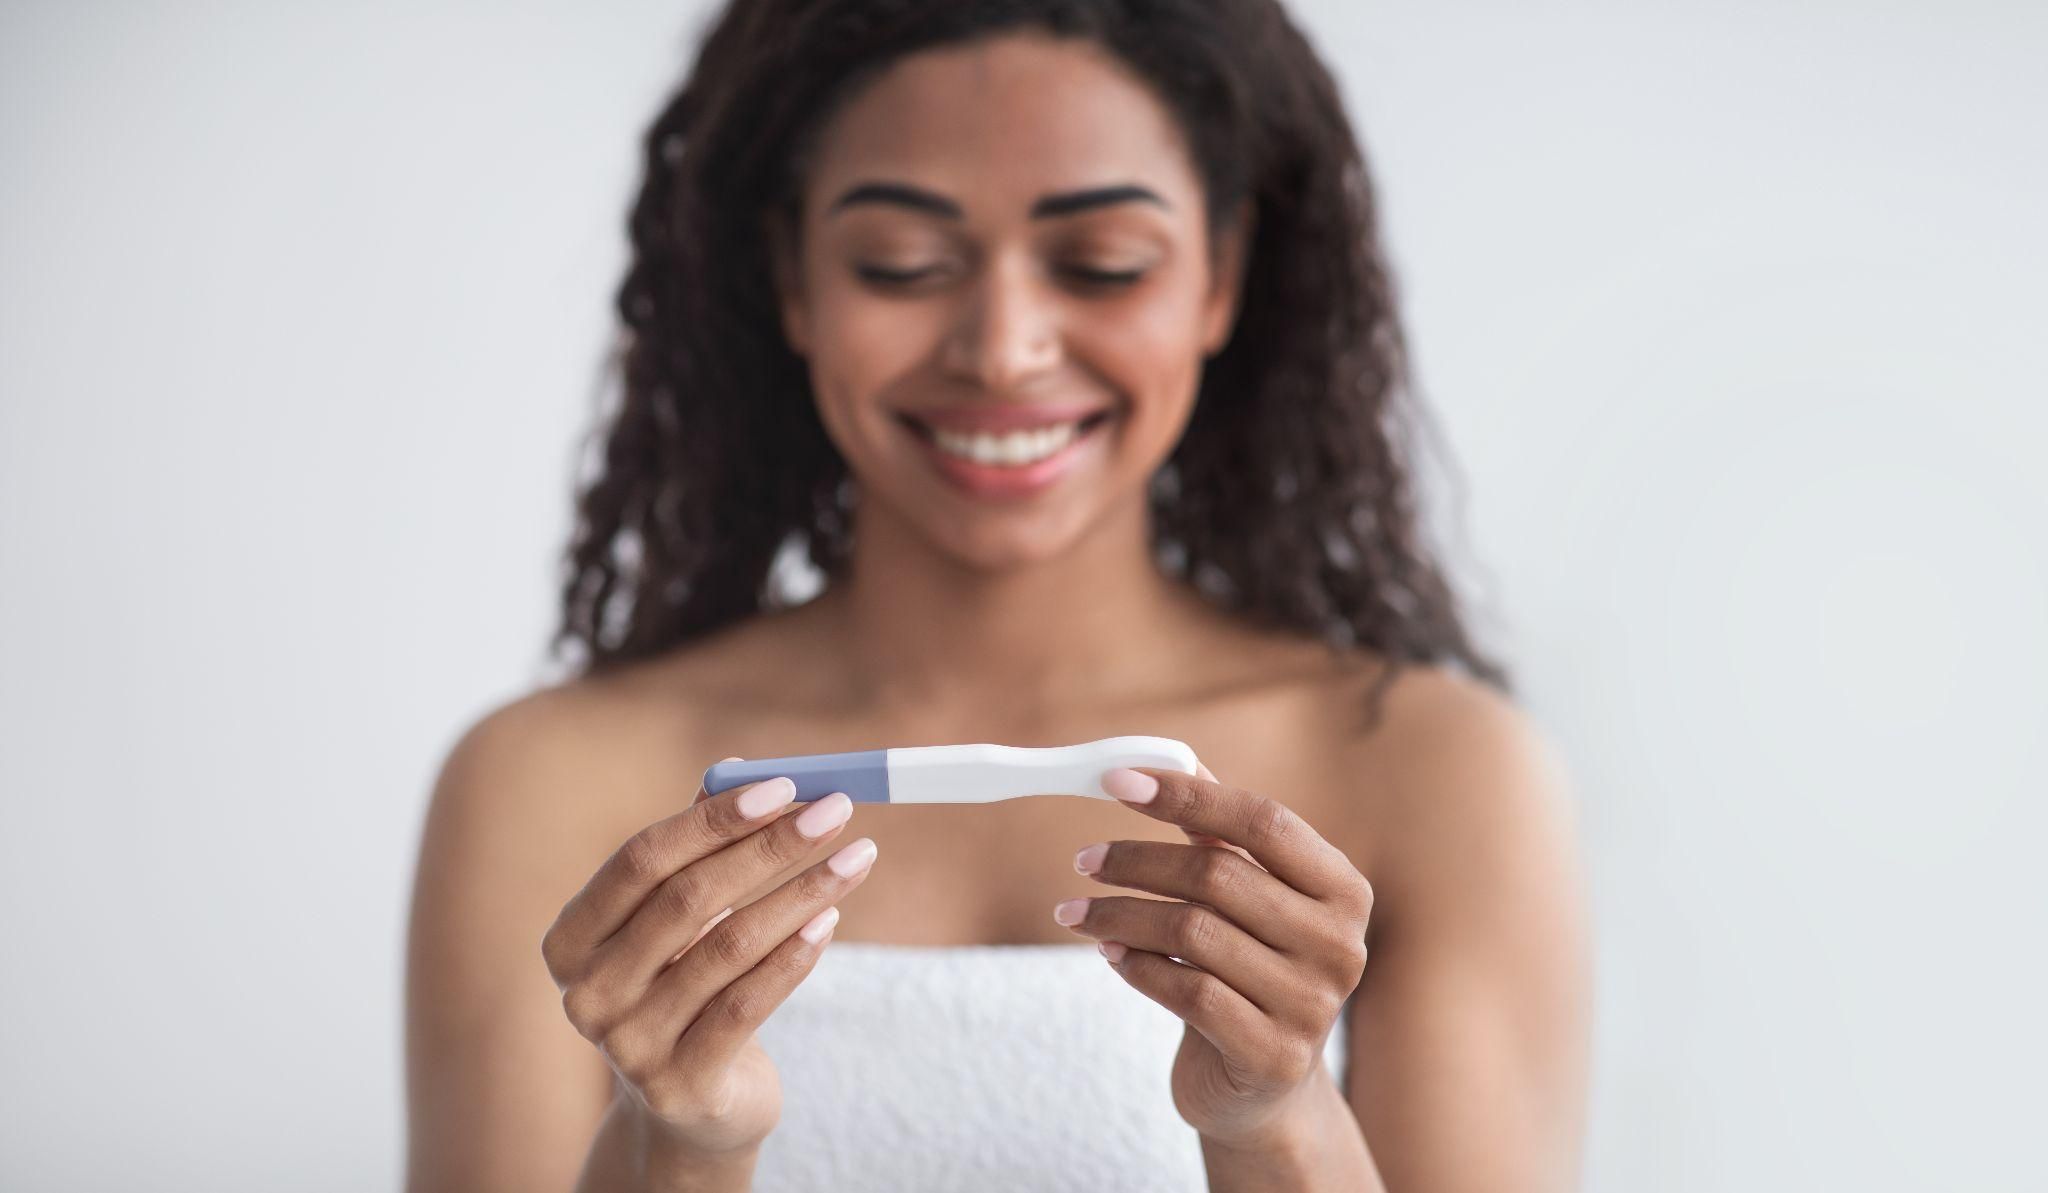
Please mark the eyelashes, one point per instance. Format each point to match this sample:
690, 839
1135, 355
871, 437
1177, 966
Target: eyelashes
889, 277
1107, 277
1089, 277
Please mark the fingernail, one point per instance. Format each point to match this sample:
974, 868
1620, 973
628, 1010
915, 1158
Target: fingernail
852, 859
1071, 912
766, 796
825, 815
1112, 950
1130, 786
820, 926
1089, 860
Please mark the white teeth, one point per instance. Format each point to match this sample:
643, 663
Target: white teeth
1010, 450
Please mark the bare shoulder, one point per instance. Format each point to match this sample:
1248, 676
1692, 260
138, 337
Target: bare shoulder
579, 761
1454, 792
539, 789
527, 801
591, 731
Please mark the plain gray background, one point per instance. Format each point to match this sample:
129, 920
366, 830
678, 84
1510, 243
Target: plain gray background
1732, 312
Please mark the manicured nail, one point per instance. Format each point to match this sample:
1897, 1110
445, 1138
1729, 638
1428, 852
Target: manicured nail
766, 796
853, 859
1089, 860
1112, 950
820, 926
825, 815
1130, 786
1071, 912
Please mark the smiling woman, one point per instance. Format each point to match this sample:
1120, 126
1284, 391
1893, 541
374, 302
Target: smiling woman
994, 315
1056, 336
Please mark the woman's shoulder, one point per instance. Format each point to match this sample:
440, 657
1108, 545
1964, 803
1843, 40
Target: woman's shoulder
1369, 713
592, 756
1454, 777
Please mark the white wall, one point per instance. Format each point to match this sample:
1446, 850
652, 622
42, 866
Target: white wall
1732, 314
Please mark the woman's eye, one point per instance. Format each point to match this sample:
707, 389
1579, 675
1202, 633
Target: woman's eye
890, 277
1093, 277
1106, 277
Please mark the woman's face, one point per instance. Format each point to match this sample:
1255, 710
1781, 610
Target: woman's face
1004, 293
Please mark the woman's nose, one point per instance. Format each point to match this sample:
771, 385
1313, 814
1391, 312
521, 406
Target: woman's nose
1008, 329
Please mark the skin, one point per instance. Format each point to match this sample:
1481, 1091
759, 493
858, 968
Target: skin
1429, 863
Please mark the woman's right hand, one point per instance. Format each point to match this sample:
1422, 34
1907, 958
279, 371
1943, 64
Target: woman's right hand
659, 971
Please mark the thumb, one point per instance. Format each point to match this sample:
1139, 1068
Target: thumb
701, 795
1195, 838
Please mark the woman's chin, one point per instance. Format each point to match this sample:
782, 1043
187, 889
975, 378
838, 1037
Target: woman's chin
994, 549
992, 542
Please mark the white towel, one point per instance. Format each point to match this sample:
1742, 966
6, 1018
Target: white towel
935, 1069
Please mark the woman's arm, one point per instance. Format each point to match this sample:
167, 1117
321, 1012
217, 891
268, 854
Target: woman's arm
1469, 1031
503, 1094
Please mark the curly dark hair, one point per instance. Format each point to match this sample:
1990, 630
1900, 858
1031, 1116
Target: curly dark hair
1289, 497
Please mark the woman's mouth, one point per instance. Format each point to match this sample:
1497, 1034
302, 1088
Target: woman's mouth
1009, 463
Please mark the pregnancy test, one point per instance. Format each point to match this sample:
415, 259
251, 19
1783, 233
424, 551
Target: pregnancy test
965, 774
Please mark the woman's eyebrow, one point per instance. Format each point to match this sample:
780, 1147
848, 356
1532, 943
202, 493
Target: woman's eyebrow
1048, 206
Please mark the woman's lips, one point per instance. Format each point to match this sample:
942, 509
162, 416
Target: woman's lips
1008, 482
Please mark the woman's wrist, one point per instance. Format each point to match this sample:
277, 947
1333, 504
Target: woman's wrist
675, 1165
636, 1151
1317, 1144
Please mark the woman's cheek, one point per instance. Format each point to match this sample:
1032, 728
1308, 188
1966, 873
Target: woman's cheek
874, 342
856, 359
1150, 356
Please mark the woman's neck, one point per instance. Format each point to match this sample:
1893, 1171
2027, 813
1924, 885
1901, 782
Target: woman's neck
1099, 624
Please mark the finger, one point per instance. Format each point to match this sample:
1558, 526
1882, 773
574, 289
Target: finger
650, 856
1223, 880
712, 1001
701, 793
1272, 833
709, 924
1224, 1017
1195, 838
642, 1044
1196, 935
672, 915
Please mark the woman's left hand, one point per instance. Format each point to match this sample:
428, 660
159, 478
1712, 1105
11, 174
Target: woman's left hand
1272, 933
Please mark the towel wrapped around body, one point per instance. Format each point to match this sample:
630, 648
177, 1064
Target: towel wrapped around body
1016, 1067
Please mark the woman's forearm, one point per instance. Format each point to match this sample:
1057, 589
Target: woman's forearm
1321, 1148
629, 1156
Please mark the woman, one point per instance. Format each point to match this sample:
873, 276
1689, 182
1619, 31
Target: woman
1057, 337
